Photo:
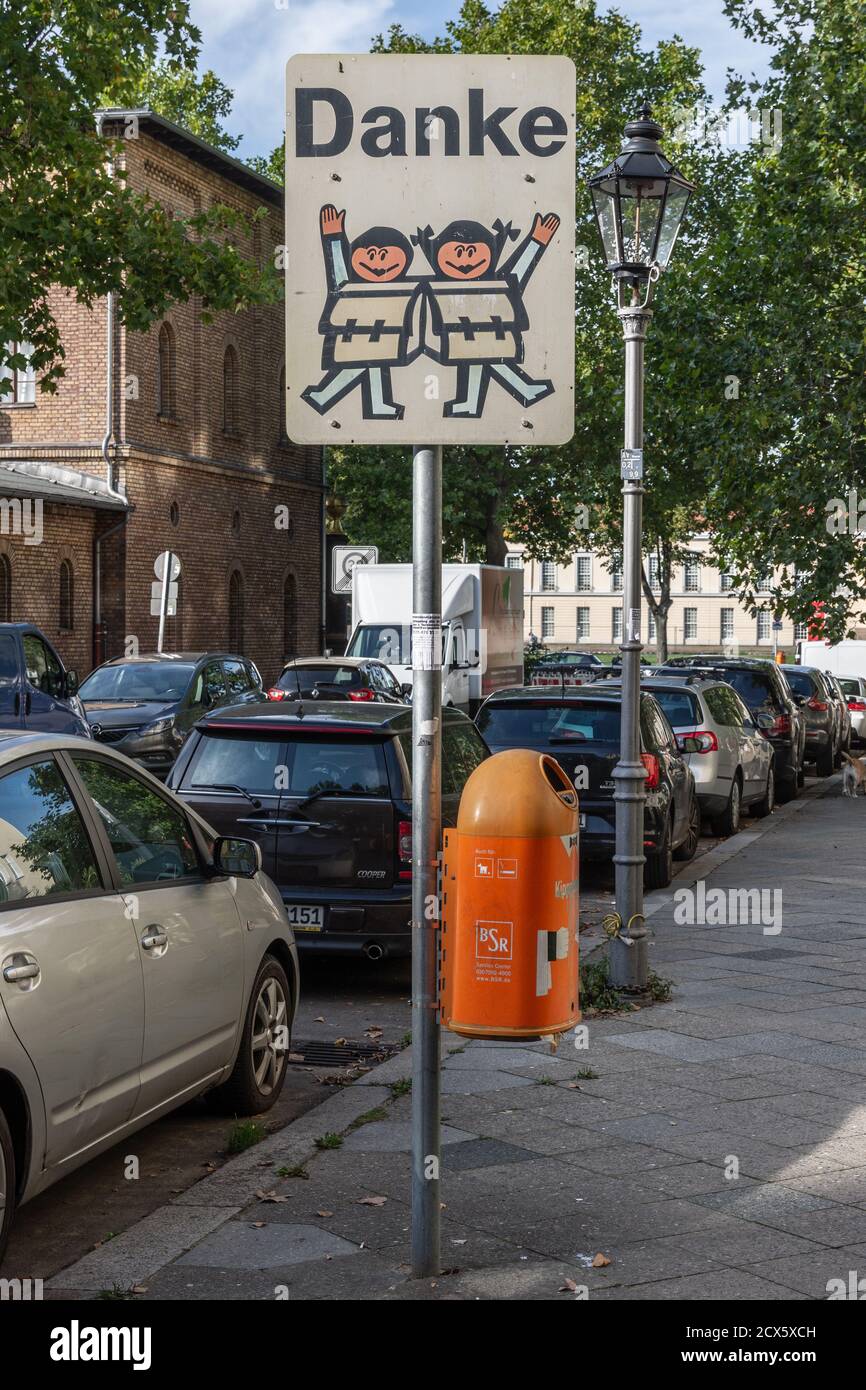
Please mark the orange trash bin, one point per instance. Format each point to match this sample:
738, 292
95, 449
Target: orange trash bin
508, 965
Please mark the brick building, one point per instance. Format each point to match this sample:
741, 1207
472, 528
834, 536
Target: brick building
182, 447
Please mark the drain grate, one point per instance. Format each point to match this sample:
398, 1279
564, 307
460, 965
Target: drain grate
347, 1054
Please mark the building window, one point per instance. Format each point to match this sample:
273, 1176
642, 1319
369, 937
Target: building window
5, 590
726, 625
236, 613
653, 573
290, 616
801, 632
174, 514
514, 562
23, 379
616, 575
167, 380
726, 582
583, 573
616, 624
651, 626
67, 597
583, 624
690, 624
692, 574
230, 391
548, 576
548, 624
764, 584
765, 621
236, 522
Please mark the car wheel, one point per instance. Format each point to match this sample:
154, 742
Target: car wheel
659, 867
824, 762
728, 823
7, 1182
260, 1070
765, 806
689, 845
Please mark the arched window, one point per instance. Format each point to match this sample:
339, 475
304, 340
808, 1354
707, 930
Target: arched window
290, 617
283, 439
5, 590
236, 613
67, 597
167, 372
230, 391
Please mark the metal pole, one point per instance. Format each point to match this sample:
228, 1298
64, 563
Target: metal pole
163, 598
627, 956
426, 842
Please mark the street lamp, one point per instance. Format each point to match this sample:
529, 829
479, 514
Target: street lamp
639, 203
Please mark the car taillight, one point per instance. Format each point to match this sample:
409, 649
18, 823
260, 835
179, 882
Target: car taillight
817, 704
858, 706
275, 693
361, 695
709, 742
653, 771
404, 849
782, 725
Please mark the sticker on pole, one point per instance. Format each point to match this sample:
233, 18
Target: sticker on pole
426, 642
429, 249
631, 465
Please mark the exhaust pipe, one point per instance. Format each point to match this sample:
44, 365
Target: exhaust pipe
374, 951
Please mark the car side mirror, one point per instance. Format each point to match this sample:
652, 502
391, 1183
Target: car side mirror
473, 659
72, 682
406, 688
239, 858
765, 721
690, 744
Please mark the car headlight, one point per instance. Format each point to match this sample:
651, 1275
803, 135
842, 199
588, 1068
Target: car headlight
159, 726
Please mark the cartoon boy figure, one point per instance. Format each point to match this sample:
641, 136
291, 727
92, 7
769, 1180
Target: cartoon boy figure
480, 330
365, 323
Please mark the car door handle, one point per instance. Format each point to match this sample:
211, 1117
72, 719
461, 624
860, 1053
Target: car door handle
21, 967
154, 936
269, 824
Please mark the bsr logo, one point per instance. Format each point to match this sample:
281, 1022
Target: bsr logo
541, 132
493, 939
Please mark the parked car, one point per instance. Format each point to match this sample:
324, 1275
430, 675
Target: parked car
144, 706
144, 960
339, 678
733, 768
854, 690
327, 793
844, 720
36, 690
811, 689
581, 729
764, 690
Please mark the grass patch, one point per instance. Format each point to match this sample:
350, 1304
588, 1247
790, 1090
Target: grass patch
116, 1292
329, 1141
406, 1040
243, 1135
297, 1170
660, 989
596, 991
370, 1117
545, 1081
587, 1074
402, 1087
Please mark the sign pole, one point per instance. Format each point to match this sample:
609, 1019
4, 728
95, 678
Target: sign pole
426, 842
163, 599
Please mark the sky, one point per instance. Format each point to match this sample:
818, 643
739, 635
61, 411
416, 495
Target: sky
247, 43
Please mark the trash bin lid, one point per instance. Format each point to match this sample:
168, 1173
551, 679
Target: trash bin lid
518, 792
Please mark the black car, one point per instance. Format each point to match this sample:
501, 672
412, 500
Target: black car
145, 706
362, 679
566, 668
812, 691
840, 700
762, 686
326, 791
580, 728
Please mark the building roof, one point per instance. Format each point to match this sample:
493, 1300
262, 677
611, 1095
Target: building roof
52, 482
199, 150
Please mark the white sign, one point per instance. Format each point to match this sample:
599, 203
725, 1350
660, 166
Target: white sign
157, 598
430, 249
344, 558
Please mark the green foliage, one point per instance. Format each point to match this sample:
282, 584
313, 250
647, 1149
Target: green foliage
243, 1135
596, 992
329, 1141
199, 102
64, 220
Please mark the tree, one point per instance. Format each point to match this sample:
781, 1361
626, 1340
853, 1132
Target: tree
65, 221
199, 102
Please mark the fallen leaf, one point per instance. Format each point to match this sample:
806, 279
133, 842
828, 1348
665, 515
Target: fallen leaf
324, 1213
319, 1019
296, 1056
600, 1261
270, 1197
258, 1224
339, 1042
372, 1201
139, 1288
568, 1287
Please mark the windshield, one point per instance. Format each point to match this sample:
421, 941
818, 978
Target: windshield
753, 686
680, 706
384, 641
800, 682
161, 681
534, 724
849, 687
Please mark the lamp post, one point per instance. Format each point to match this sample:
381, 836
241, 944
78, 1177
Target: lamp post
639, 203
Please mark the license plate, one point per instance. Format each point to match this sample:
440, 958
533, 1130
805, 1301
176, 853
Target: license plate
581, 820
306, 918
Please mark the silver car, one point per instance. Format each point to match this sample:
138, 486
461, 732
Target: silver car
143, 961
734, 768
854, 690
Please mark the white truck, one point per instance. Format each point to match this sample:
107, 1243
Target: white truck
482, 627
842, 659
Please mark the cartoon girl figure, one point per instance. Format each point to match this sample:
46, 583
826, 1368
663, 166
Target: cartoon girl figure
480, 331
365, 323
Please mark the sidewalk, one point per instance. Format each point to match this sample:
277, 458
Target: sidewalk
758, 1064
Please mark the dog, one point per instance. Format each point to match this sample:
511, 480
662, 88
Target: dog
854, 775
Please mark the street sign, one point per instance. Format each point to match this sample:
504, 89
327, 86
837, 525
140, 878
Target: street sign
430, 249
631, 464
344, 558
163, 593
777, 624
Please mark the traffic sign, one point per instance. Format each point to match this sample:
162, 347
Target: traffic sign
430, 249
344, 558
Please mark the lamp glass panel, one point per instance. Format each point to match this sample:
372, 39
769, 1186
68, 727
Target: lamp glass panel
671, 221
605, 212
640, 217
